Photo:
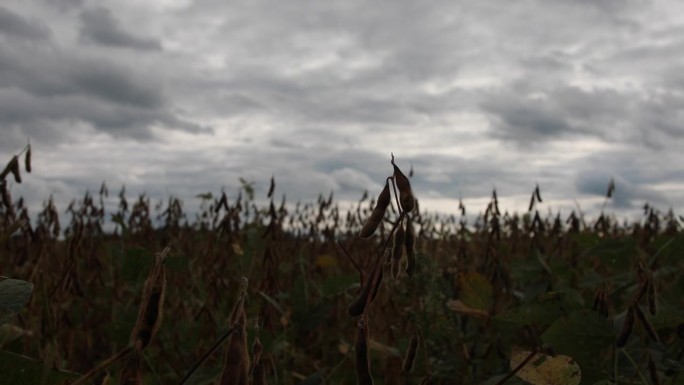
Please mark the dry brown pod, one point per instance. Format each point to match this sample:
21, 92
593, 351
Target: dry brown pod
406, 198
532, 201
395, 269
643, 287
223, 202
361, 355
611, 188
151, 308
271, 187
6, 199
398, 249
626, 330
646, 323
653, 371
357, 307
12, 167
27, 159
410, 356
600, 303
257, 370
15, 169
410, 243
377, 283
378, 213
597, 299
131, 374
6, 170
236, 358
537, 194
652, 298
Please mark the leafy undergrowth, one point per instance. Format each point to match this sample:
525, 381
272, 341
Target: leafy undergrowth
589, 303
20, 370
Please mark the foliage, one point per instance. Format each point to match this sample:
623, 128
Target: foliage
480, 290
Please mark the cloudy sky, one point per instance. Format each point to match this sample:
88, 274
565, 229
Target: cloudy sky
185, 96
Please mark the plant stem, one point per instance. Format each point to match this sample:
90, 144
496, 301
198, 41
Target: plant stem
89, 376
206, 355
517, 368
636, 367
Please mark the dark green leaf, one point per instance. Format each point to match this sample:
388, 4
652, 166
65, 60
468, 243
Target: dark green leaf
583, 335
14, 294
20, 370
476, 291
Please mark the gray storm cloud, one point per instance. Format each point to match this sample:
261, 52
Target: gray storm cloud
182, 98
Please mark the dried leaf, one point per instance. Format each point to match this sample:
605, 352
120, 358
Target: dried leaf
546, 370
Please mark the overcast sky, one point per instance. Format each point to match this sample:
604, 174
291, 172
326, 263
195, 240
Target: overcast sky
184, 97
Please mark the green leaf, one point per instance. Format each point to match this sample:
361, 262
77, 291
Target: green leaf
582, 335
14, 294
313, 379
616, 254
20, 370
476, 291
177, 263
668, 316
135, 264
547, 309
337, 284
311, 319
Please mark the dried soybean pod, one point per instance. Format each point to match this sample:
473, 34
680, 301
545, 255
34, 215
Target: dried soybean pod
131, 374
626, 328
151, 308
236, 359
646, 323
357, 307
7, 169
653, 371
600, 303
398, 249
258, 370
395, 269
643, 288
611, 188
537, 194
361, 357
223, 202
271, 188
532, 201
257, 349
378, 213
27, 159
378, 281
12, 167
652, 298
597, 300
410, 243
406, 198
6, 199
603, 308
410, 356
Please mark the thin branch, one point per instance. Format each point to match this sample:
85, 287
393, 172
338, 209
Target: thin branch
89, 376
517, 368
206, 355
356, 265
